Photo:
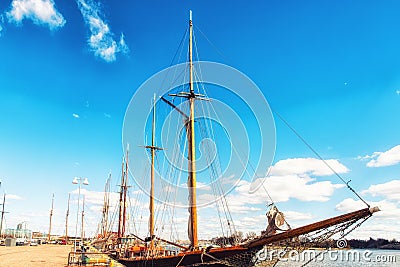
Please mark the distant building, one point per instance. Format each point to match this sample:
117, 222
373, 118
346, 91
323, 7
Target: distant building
19, 232
38, 235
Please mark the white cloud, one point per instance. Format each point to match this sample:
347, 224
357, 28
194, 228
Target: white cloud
76, 115
289, 179
14, 197
96, 208
122, 44
349, 205
101, 40
376, 230
389, 190
199, 185
169, 189
203, 186
311, 166
228, 180
364, 158
398, 92
1, 23
297, 216
247, 208
382, 224
284, 188
94, 197
257, 223
41, 12
387, 158
388, 209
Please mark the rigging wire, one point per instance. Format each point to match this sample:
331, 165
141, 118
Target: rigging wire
212, 44
215, 166
319, 156
297, 134
179, 49
173, 175
203, 132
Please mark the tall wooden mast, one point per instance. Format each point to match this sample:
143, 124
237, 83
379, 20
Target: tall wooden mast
121, 198
151, 223
66, 220
190, 131
106, 207
125, 191
51, 217
153, 148
123, 195
2, 213
192, 147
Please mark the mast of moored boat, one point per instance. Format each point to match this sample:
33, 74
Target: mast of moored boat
125, 190
2, 213
66, 220
153, 149
151, 224
106, 207
190, 132
51, 216
122, 196
192, 147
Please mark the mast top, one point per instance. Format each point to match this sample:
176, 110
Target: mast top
190, 15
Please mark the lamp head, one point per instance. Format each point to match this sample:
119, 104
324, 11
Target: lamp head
75, 181
86, 182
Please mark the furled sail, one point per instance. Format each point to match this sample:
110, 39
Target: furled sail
276, 221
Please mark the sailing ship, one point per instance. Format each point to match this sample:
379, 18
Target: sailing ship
149, 251
116, 243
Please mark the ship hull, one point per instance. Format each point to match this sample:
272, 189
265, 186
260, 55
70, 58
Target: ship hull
218, 257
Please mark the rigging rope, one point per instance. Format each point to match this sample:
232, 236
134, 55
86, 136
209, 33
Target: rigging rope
237, 147
215, 165
319, 156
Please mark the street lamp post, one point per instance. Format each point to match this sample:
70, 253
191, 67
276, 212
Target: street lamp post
79, 181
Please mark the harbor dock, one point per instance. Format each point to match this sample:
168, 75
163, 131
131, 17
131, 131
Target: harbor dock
43, 255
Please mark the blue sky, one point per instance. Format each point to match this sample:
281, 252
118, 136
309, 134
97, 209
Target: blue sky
331, 68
